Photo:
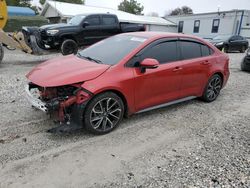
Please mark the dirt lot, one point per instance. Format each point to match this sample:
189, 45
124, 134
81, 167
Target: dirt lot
192, 144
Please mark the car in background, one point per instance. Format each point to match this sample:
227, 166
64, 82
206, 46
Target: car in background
230, 43
126, 74
81, 30
245, 64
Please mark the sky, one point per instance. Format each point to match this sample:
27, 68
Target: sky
163, 6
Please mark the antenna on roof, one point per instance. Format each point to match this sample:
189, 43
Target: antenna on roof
218, 8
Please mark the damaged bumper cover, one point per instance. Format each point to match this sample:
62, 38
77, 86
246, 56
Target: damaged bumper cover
35, 102
77, 104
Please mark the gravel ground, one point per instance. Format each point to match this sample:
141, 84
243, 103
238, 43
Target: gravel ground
192, 144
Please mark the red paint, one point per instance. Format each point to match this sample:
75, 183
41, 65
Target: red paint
64, 105
165, 83
64, 71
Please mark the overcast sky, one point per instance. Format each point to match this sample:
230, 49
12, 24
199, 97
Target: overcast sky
161, 6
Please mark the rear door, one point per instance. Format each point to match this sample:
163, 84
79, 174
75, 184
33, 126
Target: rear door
109, 26
160, 85
91, 33
196, 62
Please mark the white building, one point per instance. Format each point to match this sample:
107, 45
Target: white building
209, 25
62, 12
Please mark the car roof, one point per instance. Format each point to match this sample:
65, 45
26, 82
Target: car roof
158, 35
102, 14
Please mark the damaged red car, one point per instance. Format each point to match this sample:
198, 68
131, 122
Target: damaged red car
123, 75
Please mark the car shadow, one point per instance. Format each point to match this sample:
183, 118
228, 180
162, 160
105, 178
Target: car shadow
126, 122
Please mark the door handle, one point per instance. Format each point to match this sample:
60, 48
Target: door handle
205, 63
177, 69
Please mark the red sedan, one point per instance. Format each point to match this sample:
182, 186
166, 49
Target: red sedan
126, 74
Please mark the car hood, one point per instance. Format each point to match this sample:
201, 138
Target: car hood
64, 71
57, 26
216, 41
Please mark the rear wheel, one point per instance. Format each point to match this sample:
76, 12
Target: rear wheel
226, 49
103, 113
1, 52
69, 46
243, 49
243, 65
212, 89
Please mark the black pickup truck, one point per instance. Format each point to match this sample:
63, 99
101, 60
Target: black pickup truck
81, 30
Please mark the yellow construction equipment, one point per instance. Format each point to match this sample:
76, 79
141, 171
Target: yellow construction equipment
13, 41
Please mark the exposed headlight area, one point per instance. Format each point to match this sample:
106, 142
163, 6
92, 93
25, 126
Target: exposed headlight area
219, 44
56, 100
52, 32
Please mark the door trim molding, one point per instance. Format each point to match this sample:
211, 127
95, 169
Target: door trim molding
167, 104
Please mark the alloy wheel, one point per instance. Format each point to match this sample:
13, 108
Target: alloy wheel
105, 114
214, 88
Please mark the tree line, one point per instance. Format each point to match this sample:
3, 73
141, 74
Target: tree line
130, 6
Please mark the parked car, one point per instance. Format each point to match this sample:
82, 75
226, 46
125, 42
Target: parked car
81, 30
230, 43
245, 64
126, 74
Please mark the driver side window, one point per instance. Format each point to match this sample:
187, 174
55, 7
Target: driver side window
93, 20
164, 52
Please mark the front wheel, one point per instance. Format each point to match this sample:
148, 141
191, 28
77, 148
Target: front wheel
68, 47
103, 113
1, 53
212, 89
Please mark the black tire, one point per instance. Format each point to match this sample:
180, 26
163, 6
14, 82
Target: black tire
69, 46
243, 66
103, 113
243, 49
226, 49
212, 89
1, 53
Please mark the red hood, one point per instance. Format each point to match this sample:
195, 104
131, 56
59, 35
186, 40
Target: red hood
64, 71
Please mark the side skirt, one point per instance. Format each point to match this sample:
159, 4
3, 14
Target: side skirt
167, 104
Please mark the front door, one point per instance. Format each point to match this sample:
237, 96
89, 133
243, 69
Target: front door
160, 85
91, 33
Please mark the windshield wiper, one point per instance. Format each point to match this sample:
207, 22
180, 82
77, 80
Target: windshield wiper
90, 58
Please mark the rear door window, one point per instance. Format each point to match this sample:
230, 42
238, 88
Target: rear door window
205, 50
109, 20
190, 49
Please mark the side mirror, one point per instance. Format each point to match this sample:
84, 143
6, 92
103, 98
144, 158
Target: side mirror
148, 63
85, 24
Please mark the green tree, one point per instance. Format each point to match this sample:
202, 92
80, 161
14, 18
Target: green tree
19, 3
131, 6
181, 11
66, 1
25, 3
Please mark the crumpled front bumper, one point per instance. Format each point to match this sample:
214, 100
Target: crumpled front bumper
35, 102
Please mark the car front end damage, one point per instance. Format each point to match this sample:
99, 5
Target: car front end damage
64, 103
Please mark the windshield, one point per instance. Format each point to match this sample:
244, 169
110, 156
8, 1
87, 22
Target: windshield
221, 37
112, 50
76, 20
